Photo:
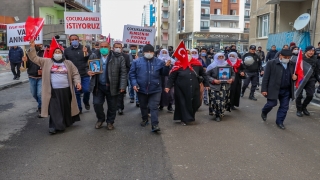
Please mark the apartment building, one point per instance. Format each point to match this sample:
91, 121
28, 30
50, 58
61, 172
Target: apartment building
148, 15
272, 23
203, 23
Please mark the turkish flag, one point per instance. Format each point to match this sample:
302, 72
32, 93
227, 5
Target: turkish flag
108, 38
299, 69
53, 46
33, 27
181, 54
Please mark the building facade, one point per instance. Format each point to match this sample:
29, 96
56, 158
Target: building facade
272, 23
204, 23
148, 15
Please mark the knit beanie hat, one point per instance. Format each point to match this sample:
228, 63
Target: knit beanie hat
308, 48
148, 48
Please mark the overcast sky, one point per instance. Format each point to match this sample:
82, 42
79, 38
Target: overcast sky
117, 13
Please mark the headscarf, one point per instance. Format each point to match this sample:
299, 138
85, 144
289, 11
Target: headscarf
217, 62
194, 56
233, 60
165, 57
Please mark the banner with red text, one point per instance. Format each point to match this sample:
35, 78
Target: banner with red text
138, 35
16, 33
82, 23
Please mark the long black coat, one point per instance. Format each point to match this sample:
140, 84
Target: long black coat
271, 81
186, 92
235, 89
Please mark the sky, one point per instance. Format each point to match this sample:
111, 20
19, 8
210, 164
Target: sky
117, 13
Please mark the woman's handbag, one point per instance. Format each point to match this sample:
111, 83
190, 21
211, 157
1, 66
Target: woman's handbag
200, 78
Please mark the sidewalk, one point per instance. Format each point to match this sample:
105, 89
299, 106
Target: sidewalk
6, 79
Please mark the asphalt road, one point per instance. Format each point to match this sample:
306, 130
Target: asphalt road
241, 146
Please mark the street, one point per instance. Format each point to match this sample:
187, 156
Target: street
241, 146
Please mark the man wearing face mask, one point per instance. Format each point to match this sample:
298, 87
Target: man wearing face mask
233, 48
278, 83
311, 59
204, 58
35, 77
253, 67
79, 55
108, 85
118, 50
145, 76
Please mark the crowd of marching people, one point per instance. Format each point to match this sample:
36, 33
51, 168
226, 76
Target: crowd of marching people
164, 78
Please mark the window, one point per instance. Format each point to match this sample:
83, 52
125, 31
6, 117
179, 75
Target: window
247, 25
204, 24
233, 25
233, 12
217, 0
205, 11
247, 13
49, 19
217, 11
216, 24
263, 25
233, 1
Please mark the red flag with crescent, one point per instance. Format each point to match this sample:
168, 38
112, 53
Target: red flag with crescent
33, 27
181, 54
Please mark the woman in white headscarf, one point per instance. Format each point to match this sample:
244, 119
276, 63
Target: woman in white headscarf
167, 99
235, 89
219, 85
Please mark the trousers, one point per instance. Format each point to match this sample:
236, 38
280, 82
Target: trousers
35, 89
15, 66
310, 90
284, 99
252, 77
85, 83
150, 101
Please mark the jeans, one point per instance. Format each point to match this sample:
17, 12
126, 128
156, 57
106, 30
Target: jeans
150, 101
132, 92
205, 95
85, 83
252, 77
103, 93
284, 99
15, 66
35, 89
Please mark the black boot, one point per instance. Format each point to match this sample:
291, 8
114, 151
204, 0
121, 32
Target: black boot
251, 97
144, 123
299, 112
305, 111
242, 93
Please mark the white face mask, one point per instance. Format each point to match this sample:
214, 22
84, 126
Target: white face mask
284, 61
295, 51
117, 50
148, 55
232, 59
57, 57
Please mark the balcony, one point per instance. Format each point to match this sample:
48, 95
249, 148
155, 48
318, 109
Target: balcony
165, 7
204, 27
164, 18
247, 5
50, 30
205, 16
215, 17
246, 30
205, 3
246, 18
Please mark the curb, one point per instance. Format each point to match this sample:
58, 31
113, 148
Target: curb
13, 83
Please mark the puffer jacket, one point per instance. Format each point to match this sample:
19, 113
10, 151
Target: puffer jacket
117, 73
146, 74
15, 55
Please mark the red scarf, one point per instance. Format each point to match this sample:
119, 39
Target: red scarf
235, 66
193, 62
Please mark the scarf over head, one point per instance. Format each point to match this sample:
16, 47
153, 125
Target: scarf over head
217, 62
60, 61
234, 62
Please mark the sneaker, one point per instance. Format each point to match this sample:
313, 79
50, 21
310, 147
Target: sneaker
87, 106
160, 108
15, 77
144, 123
155, 128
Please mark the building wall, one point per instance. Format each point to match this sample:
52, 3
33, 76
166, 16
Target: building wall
189, 15
173, 24
215, 5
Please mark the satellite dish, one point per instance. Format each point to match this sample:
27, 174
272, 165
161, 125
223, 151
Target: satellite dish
301, 21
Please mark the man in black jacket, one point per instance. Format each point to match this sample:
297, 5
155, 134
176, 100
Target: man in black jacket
272, 53
127, 61
253, 67
108, 85
278, 83
310, 86
260, 53
35, 77
79, 55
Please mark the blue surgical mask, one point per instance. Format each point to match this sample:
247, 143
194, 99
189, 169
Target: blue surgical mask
203, 54
133, 51
104, 51
75, 43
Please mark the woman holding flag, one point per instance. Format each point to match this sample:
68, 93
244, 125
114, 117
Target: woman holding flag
186, 76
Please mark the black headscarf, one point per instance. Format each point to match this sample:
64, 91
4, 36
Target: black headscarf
63, 57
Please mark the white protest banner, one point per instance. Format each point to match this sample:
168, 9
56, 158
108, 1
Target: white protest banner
82, 23
16, 33
138, 35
